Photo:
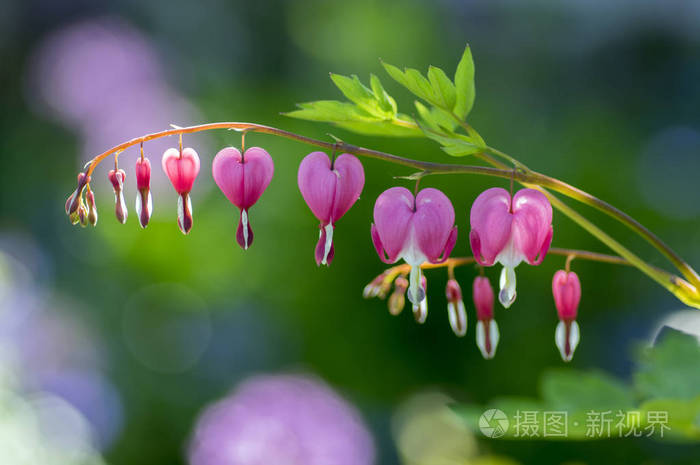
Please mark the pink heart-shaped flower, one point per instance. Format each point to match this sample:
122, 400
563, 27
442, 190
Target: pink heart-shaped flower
181, 170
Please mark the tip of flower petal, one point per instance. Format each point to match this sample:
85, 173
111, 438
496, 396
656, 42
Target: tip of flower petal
566, 337
487, 336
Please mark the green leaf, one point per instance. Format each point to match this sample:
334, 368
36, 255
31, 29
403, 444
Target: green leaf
456, 145
412, 80
386, 102
671, 369
330, 111
379, 128
365, 99
582, 391
464, 84
443, 89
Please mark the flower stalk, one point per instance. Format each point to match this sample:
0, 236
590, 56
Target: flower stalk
686, 288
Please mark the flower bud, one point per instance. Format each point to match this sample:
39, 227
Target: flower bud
92, 208
73, 200
117, 178
82, 215
487, 334
455, 308
420, 309
566, 289
397, 300
144, 201
378, 287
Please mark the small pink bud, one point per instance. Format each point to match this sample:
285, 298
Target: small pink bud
566, 289
144, 200
417, 229
117, 179
397, 300
82, 215
455, 308
420, 309
508, 231
74, 199
243, 179
92, 208
378, 287
182, 169
487, 334
329, 189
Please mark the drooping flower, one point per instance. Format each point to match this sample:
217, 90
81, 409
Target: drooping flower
416, 229
329, 188
144, 201
566, 289
76, 198
487, 334
455, 307
509, 232
182, 168
117, 178
243, 179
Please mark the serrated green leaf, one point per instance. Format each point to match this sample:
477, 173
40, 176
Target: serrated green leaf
386, 102
426, 116
412, 80
363, 97
330, 111
456, 145
443, 88
464, 84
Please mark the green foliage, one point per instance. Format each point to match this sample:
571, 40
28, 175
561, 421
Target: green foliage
372, 111
667, 379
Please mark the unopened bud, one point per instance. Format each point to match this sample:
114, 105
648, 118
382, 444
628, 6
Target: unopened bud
117, 178
487, 337
144, 201
92, 208
74, 199
82, 215
397, 300
377, 287
420, 309
184, 213
455, 308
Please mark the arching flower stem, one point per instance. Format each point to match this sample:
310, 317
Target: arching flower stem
687, 291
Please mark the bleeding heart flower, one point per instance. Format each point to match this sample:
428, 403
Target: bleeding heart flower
487, 334
509, 232
182, 168
329, 189
455, 307
566, 289
144, 201
243, 179
416, 229
117, 178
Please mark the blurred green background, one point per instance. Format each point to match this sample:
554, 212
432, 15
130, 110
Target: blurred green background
603, 95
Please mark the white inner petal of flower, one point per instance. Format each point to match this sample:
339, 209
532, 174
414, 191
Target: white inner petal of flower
138, 204
329, 242
560, 339
507, 283
244, 223
458, 317
412, 255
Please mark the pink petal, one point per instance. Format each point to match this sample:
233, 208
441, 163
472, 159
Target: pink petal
181, 171
143, 173
317, 184
351, 180
566, 289
433, 221
393, 212
490, 221
242, 179
532, 224
482, 293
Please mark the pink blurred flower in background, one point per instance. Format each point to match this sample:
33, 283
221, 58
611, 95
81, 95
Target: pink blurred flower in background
281, 419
